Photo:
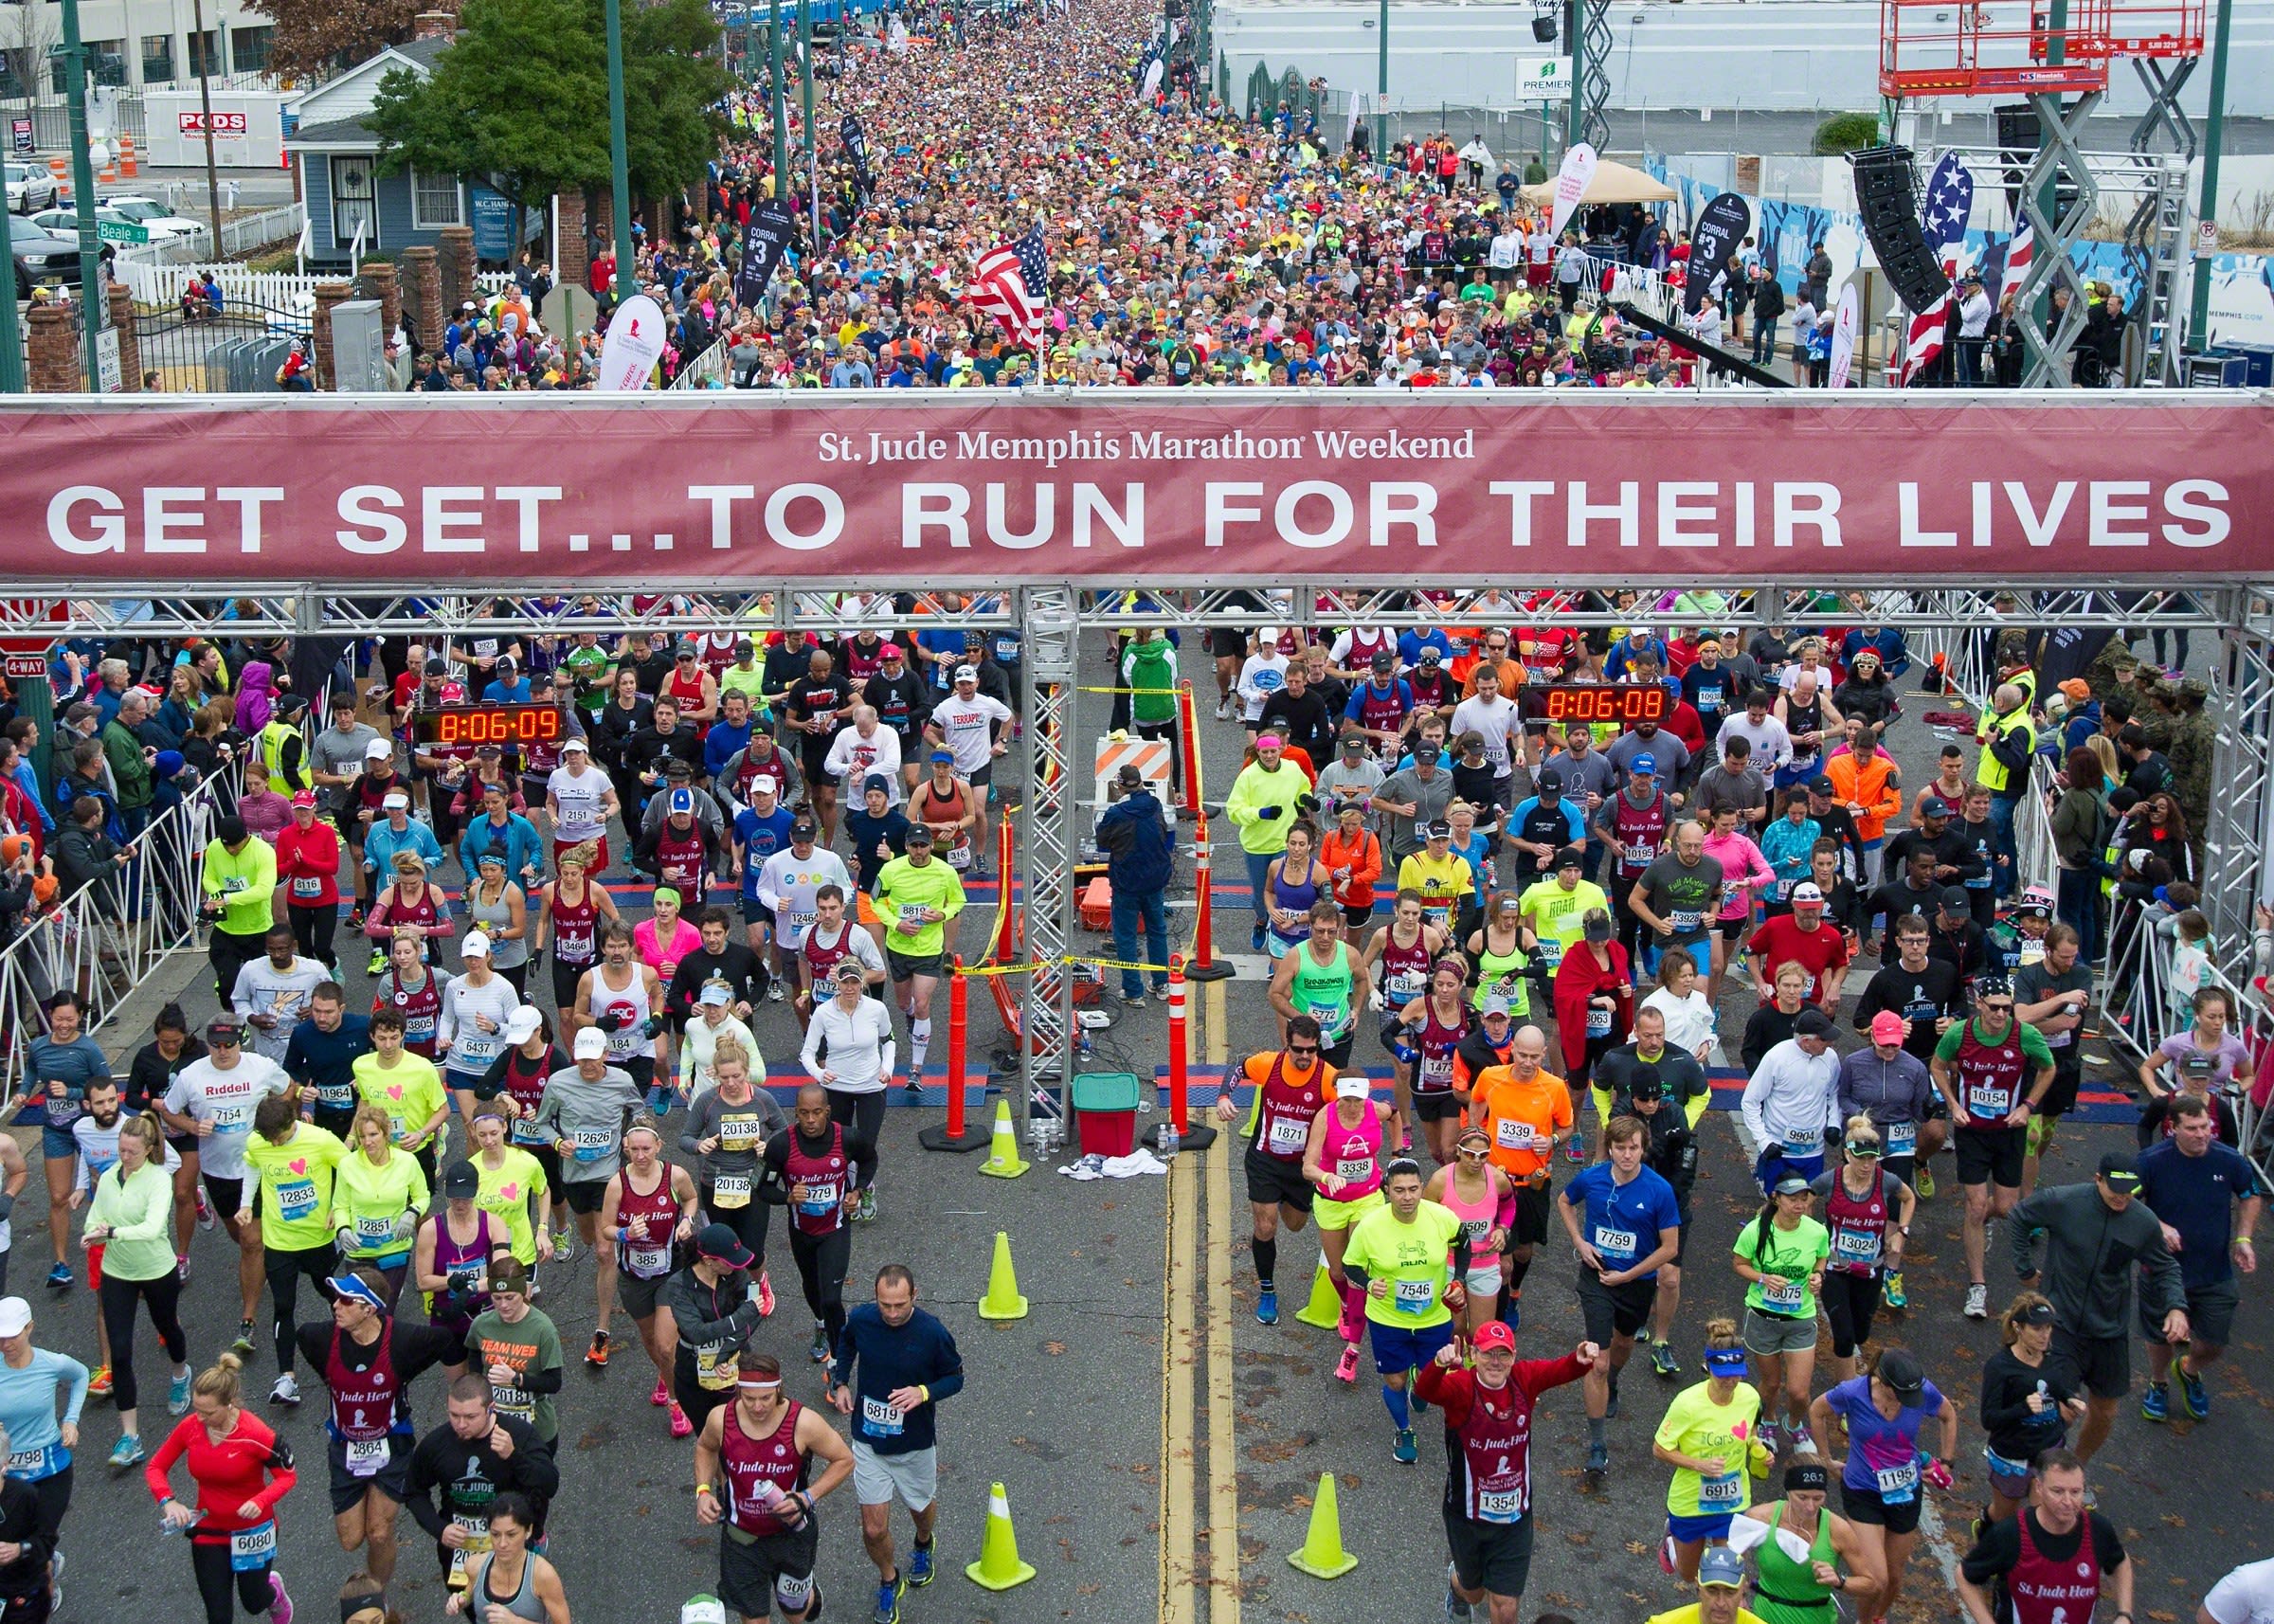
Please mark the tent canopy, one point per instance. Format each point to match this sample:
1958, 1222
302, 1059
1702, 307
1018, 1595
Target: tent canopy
1612, 182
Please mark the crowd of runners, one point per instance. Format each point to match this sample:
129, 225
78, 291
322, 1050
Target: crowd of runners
1508, 920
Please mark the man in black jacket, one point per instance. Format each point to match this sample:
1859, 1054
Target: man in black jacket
1670, 1150
462, 1466
1139, 841
901, 702
1768, 304
1298, 713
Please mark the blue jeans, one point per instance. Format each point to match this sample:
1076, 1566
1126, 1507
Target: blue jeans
1258, 897
1764, 341
2001, 838
1129, 912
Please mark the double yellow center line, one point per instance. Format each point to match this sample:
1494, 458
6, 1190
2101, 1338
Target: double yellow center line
1189, 1334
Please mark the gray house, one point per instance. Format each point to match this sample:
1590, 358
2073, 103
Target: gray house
347, 193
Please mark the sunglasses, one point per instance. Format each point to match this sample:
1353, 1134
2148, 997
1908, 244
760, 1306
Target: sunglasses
1292, 1048
1467, 1155
1996, 1008
1864, 1149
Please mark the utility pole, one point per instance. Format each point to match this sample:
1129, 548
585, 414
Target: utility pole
1575, 35
813, 137
781, 122
2198, 315
1381, 87
83, 195
619, 167
204, 98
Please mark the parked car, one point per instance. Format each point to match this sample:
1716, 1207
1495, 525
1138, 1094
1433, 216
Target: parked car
30, 187
41, 259
162, 227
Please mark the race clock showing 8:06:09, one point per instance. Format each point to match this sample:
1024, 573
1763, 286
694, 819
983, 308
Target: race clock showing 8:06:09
1621, 705
493, 723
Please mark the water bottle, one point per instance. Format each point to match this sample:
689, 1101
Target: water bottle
1166, 1140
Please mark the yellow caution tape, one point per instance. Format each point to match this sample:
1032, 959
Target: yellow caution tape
1114, 965
1080, 689
1027, 969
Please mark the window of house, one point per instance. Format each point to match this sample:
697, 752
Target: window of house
205, 54
158, 58
435, 201
248, 47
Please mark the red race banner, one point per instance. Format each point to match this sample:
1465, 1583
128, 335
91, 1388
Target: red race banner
721, 489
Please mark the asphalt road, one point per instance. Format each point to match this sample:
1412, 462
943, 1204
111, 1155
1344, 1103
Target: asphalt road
1161, 1450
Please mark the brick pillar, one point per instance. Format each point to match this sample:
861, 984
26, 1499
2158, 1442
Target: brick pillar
378, 279
571, 264
130, 346
53, 346
319, 330
456, 259
423, 297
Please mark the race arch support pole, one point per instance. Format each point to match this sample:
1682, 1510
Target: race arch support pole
956, 1135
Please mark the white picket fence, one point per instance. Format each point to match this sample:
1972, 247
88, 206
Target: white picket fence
270, 290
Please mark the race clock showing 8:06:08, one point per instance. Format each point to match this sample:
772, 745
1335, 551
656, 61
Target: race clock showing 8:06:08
1621, 705
493, 723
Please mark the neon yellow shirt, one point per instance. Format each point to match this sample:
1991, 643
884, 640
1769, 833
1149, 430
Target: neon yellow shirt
1694, 1425
902, 887
504, 1192
295, 1186
409, 1093
1559, 917
367, 1200
1411, 1257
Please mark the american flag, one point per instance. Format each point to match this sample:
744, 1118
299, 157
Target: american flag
1009, 285
1949, 206
2018, 252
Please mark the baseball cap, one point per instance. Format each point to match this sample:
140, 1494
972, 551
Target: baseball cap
717, 993
685, 652
682, 800
1645, 762
1352, 1085
804, 828
1955, 900
1900, 1369
460, 1182
522, 1024
1439, 830
918, 835
591, 1043
2119, 1171
1889, 1027
1812, 1022
1130, 776
1572, 858
720, 1244
1821, 784
1935, 807
1497, 1005
477, 945
1808, 892
1425, 752
967, 674
890, 651
1493, 1333
303, 798
378, 749
1791, 1184
1383, 660
1721, 1568
223, 1027
1354, 744
15, 1316
1549, 780
438, 667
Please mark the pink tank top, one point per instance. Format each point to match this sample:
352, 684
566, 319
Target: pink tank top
1477, 1219
1355, 1153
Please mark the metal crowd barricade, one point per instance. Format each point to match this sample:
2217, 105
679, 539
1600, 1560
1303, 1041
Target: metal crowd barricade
106, 939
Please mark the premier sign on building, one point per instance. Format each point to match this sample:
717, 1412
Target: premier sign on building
1142, 485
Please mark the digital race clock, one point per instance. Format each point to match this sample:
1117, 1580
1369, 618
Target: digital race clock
499, 724
1625, 705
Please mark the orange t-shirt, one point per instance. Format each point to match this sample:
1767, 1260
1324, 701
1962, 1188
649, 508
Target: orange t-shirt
1522, 1119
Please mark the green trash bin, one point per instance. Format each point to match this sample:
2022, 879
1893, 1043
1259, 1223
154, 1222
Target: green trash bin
1105, 1111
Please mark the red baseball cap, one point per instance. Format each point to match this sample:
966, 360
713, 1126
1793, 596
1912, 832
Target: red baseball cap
1493, 1333
303, 798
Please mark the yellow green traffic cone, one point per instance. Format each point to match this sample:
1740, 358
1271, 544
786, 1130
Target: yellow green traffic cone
1321, 1555
1324, 1310
1002, 1301
1002, 1153
998, 1567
